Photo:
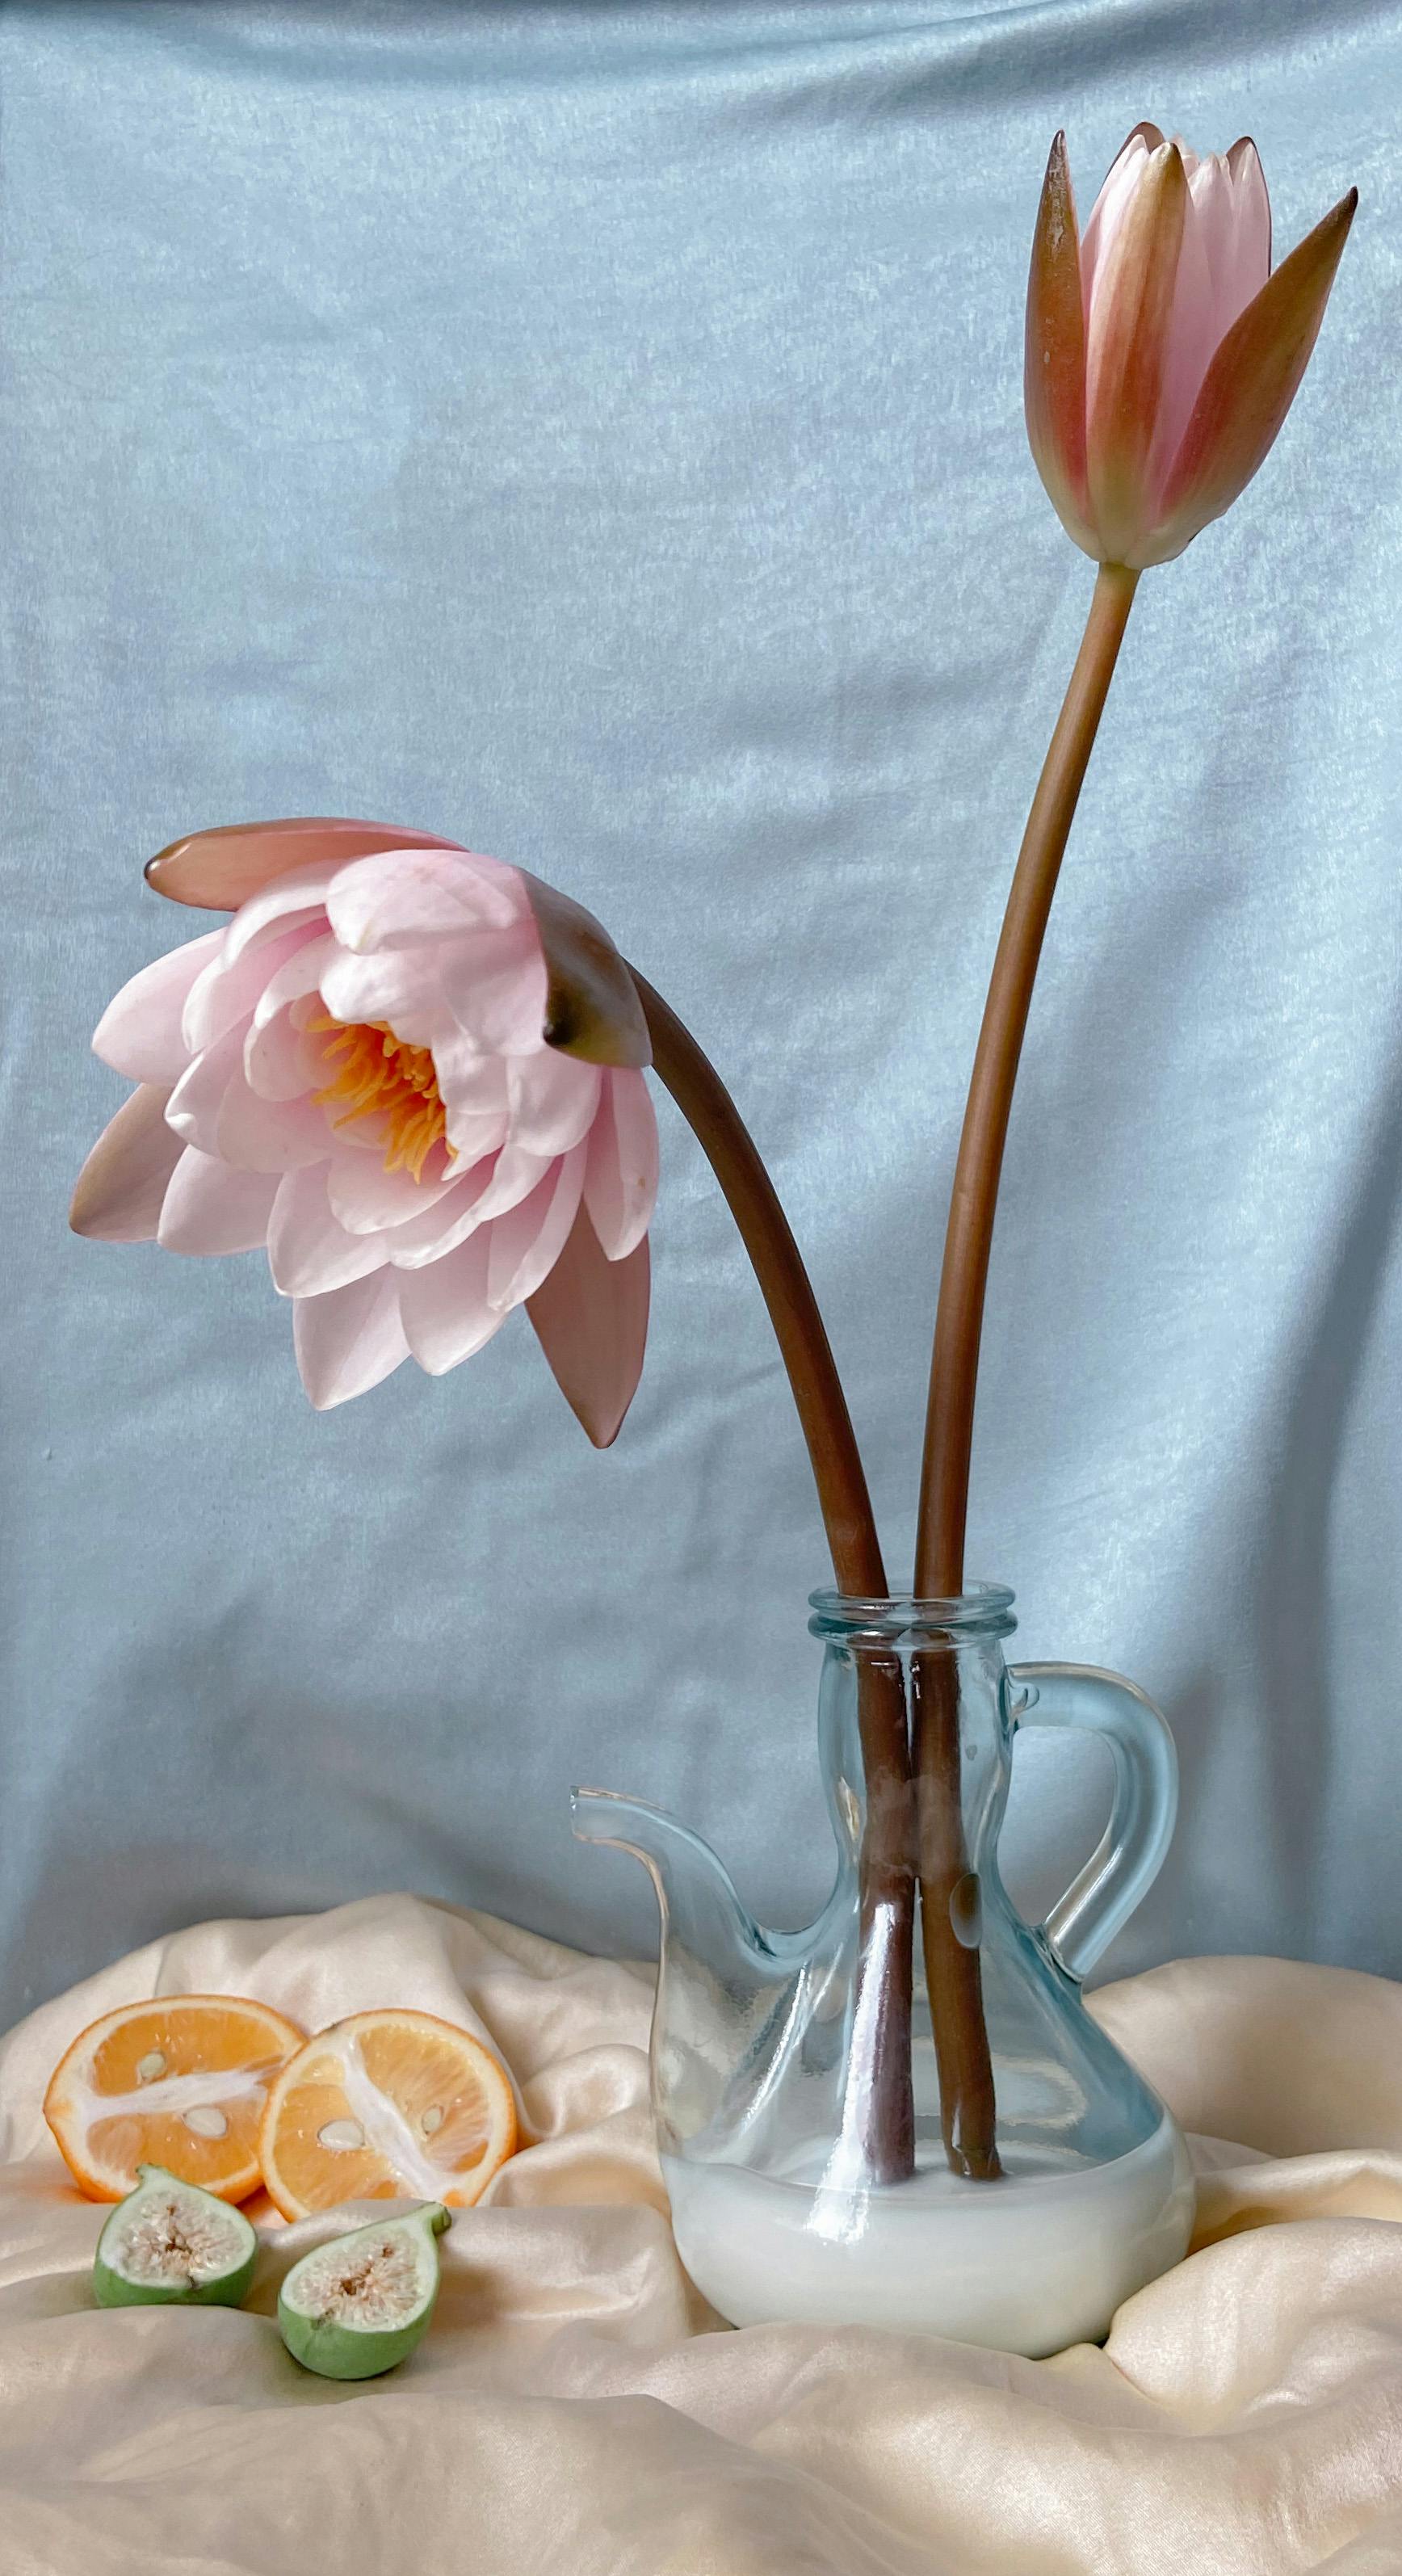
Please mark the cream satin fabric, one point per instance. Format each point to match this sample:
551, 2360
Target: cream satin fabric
576, 2410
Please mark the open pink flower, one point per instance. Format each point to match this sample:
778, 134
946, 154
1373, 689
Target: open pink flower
1163, 352
414, 1075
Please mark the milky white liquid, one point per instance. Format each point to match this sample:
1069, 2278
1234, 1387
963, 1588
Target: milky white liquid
1040, 2259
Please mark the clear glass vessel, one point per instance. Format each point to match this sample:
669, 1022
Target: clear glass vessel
763, 2043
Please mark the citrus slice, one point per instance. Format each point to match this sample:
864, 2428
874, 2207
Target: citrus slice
358, 2306
386, 2106
179, 2082
171, 2244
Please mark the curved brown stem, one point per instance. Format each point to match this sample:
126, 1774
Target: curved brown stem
966, 2081
949, 1426
884, 2112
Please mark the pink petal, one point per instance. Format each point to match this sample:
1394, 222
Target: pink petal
219, 870
281, 1061
297, 980
366, 1198
402, 897
139, 1032
269, 1135
469, 1076
298, 897
1249, 387
1054, 352
553, 1100
525, 1245
442, 1227
1223, 263
515, 1173
309, 1252
1127, 352
211, 1208
348, 1340
1211, 219
123, 1182
472, 1085
1190, 335
590, 1316
445, 1309
474, 1134
496, 987
198, 1097
232, 985
1112, 205
399, 985
620, 1187
1228, 203
1251, 239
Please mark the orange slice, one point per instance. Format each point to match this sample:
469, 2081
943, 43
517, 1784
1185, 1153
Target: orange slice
387, 2106
180, 2082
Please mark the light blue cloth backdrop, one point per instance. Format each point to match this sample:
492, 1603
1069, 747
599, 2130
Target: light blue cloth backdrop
597, 433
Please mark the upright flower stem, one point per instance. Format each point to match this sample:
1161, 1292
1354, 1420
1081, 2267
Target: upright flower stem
880, 2100
947, 1897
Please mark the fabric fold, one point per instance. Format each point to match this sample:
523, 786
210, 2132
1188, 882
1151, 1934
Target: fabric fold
576, 2404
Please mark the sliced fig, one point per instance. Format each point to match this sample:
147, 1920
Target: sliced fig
170, 2244
358, 2306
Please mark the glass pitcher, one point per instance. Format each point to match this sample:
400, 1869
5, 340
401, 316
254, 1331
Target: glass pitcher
760, 2038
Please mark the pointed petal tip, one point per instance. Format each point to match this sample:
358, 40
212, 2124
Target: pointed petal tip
1250, 385
1331, 229
120, 1189
1174, 168
1128, 352
1054, 346
85, 1206
590, 1317
598, 1432
1149, 134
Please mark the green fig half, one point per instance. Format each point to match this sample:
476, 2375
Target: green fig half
169, 2244
358, 2306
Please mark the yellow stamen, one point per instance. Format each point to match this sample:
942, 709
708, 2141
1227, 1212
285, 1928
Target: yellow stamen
378, 1076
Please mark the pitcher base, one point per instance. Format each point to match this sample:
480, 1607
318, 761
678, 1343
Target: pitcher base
1029, 2264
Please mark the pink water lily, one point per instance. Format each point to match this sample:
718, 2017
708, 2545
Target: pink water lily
1163, 352
413, 1074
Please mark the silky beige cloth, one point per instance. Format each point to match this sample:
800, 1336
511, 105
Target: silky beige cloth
577, 2411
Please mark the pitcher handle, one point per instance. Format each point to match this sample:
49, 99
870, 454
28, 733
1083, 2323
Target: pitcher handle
1131, 1851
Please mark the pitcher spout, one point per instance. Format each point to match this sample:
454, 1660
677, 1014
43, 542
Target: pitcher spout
733, 2002
696, 1897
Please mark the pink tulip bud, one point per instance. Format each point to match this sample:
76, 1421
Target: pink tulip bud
1163, 352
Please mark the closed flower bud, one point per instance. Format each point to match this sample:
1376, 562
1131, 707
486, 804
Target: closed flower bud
1163, 351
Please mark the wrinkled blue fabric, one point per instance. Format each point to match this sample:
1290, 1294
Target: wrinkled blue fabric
596, 433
